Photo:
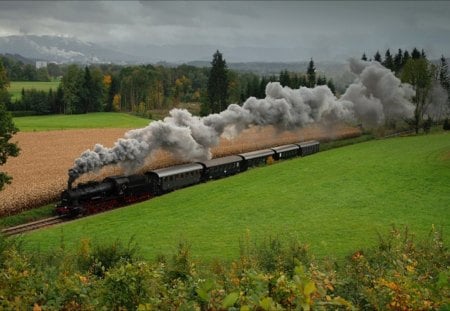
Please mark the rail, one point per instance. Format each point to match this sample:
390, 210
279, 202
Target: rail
32, 225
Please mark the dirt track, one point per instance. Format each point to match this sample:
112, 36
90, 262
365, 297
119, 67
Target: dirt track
40, 172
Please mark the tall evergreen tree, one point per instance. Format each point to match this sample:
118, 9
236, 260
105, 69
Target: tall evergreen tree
217, 86
406, 57
422, 54
364, 57
377, 57
86, 92
398, 60
415, 54
285, 79
321, 80
311, 74
331, 86
388, 60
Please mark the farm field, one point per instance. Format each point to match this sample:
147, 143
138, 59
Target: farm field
15, 87
47, 154
336, 201
79, 121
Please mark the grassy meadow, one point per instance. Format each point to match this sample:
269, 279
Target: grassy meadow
79, 121
15, 87
336, 201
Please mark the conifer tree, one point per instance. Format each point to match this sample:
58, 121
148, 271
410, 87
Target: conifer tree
331, 86
398, 60
217, 86
364, 57
311, 74
285, 79
406, 57
388, 61
415, 54
377, 57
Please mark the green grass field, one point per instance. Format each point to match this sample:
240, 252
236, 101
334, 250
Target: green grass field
79, 121
336, 201
15, 87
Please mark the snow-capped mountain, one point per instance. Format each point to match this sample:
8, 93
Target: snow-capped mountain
61, 49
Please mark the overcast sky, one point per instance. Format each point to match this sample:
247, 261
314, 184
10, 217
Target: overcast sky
284, 30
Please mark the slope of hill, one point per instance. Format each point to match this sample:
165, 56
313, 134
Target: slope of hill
335, 201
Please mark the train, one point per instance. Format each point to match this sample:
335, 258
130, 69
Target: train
116, 191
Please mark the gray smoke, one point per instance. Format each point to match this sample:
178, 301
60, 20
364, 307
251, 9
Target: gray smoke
375, 96
378, 95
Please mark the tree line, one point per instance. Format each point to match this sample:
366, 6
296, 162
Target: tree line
141, 88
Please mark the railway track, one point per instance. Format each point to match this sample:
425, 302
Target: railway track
32, 225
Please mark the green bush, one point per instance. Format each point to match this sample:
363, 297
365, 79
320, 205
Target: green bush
400, 273
446, 125
100, 258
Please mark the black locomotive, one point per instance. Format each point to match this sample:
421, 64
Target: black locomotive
115, 191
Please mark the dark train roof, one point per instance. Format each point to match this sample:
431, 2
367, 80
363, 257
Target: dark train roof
285, 148
308, 143
178, 169
257, 154
221, 161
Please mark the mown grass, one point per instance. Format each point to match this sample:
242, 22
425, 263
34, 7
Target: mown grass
336, 201
15, 87
79, 121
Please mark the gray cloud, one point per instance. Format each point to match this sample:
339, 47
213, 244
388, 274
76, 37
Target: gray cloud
325, 30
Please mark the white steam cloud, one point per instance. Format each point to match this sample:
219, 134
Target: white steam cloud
376, 96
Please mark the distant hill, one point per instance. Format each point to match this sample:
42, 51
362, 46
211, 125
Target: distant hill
60, 49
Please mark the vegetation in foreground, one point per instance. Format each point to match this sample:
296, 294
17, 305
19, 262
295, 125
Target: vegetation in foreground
335, 201
91, 120
399, 273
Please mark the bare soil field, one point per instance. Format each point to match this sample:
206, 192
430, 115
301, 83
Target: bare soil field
40, 172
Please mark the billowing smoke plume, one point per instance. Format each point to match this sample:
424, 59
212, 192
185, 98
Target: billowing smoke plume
375, 96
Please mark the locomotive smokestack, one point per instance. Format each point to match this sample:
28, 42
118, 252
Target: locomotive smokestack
73, 175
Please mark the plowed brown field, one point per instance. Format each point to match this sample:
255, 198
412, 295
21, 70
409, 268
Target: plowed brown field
40, 172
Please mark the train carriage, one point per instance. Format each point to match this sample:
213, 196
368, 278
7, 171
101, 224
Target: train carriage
175, 177
286, 152
309, 147
221, 167
256, 158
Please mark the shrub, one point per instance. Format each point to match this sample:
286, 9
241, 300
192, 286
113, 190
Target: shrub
101, 258
446, 125
399, 272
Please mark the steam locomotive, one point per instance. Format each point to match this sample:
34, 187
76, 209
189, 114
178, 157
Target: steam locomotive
115, 191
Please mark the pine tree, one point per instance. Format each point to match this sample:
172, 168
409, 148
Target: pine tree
415, 54
311, 74
398, 61
331, 86
422, 54
217, 86
364, 57
86, 92
285, 79
388, 61
377, 57
406, 57
321, 80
